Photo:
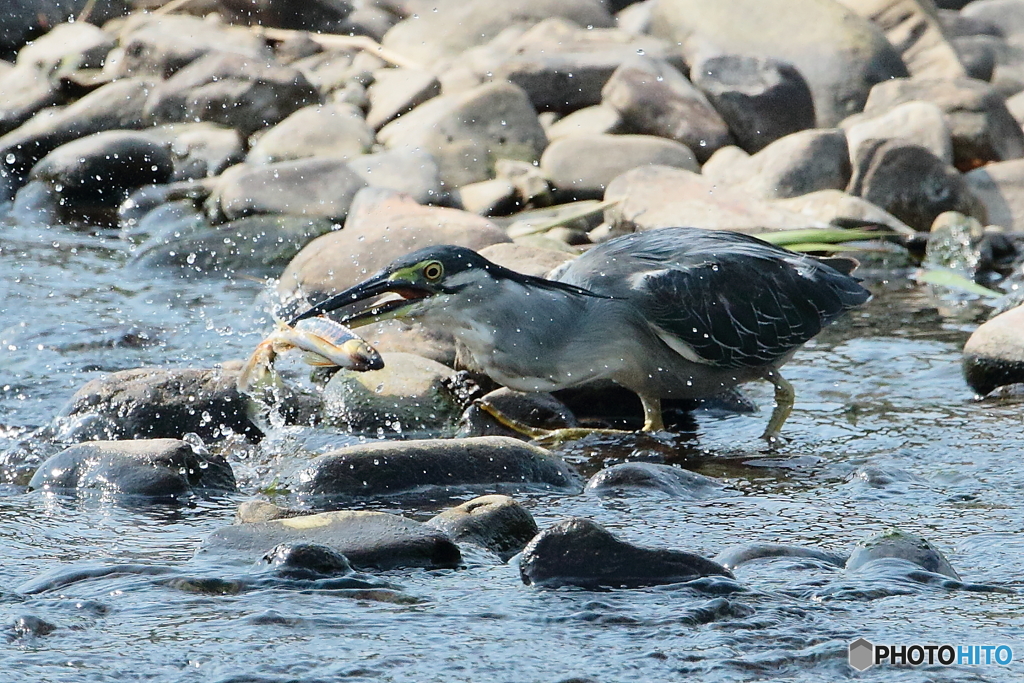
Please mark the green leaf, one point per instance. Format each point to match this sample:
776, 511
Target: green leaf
953, 280
785, 238
821, 246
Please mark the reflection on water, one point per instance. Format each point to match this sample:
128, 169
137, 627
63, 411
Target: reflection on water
884, 433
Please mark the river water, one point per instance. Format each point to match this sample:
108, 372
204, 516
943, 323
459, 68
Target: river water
885, 433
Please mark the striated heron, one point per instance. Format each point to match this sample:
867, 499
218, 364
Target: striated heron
667, 313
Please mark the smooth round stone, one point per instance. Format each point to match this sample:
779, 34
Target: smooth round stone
902, 546
994, 353
644, 476
498, 523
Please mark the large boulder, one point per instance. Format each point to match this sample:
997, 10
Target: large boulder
369, 540
498, 523
994, 354
981, 126
200, 149
917, 121
469, 131
792, 31
387, 468
579, 552
149, 403
145, 467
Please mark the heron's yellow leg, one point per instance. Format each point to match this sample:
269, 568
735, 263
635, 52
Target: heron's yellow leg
653, 421
545, 437
785, 396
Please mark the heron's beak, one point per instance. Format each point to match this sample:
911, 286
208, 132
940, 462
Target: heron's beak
403, 294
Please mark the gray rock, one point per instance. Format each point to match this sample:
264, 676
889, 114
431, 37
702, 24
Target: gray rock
646, 476
489, 197
914, 29
319, 187
395, 92
978, 55
797, 164
388, 468
910, 182
328, 71
25, 19
579, 552
1006, 15
408, 395
142, 467
654, 98
23, 92
994, 353
323, 16
115, 106
900, 545
921, 123
369, 540
199, 150
468, 132
535, 409
1000, 187
982, 128
369, 20
581, 166
410, 171
495, 522
596, 120
839, 209
330, 130
734, 556
262, 244
67, 47
761, 99
428, 37
158, 45
103, 168
149, 403
236, 91
791, 31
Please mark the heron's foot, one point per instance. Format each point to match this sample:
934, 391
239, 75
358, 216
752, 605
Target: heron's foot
545, 437
785, 397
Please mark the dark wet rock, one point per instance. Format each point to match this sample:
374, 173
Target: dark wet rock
914, 29
386, 468
761, 99
156, 403
525, 259
326, 16
994, 354
1000, 188
469, 131
793, 32
101, 169
162, 211
734, 556
978, 55
910, 182
880, 477
581, 166
982, 128
495, 522
900, 545
29, 625
919, 122
158, 45
645, 476
535, 409
409, 394
654, 98
797, 164
369, 540
395, 92
199, 150
597, 120
656, 196
409, 171
579, 552
330, 130
254, 244
236, 91
429, 37
114, 106
382, 226
306, 560
561, 65
316, 188
141, 467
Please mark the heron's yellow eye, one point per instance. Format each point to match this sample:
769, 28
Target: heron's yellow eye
433, 271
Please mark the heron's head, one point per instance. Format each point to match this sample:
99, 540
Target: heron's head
433, 280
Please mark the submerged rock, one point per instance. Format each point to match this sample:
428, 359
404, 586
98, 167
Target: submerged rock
306, 560
646, 476
579, 552
900, 545
387, 468
994, 354
368, 540
495, 522
735, 556
142, 467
